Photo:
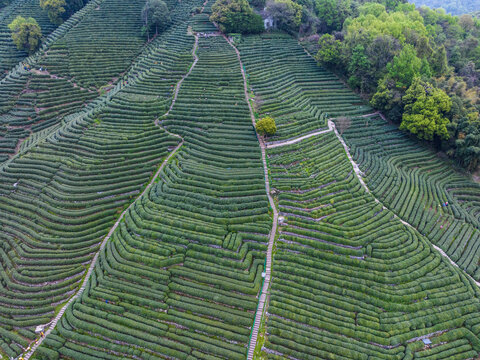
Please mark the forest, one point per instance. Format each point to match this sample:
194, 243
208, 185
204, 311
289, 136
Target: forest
454, 7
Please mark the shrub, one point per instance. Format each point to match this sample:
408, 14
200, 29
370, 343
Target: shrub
266, 126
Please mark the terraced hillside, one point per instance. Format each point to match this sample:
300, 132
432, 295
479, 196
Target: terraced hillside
9, 54
135, 220
352, 281
196, 241
83, 59
59, 200
414, 183
349, 279
292, 88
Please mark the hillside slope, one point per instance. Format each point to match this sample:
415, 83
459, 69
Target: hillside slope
135, 218
454, 7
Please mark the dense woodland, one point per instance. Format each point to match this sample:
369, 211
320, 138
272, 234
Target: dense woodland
454, 7
418, 66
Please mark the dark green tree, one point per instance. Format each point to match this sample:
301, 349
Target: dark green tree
425, 111
55, 9
236, 16
26, 33
286, 14
155, 17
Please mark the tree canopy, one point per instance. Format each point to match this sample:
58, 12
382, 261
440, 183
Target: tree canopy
236, 16
26, 33
425, 110
286, 14
266, 126
382, 46
155, 16
454, 7
55, 9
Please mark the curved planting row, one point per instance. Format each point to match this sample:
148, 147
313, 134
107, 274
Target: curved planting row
59, 199
83, 52
32, 102
289, 86
9, 54
179, 278
350, 280
99, 47
414, 183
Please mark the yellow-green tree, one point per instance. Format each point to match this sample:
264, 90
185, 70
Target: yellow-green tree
26, 33
55, 9
425, 110
266, 126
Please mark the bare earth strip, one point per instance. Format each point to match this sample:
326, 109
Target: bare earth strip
271, 239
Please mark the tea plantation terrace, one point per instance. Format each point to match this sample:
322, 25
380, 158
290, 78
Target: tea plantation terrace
139, 206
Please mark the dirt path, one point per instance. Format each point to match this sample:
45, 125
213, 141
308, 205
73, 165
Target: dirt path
271, 239
360, 178
298, 139
54, 322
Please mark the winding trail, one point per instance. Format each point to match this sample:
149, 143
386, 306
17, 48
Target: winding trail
359, 175
268, 267
31, 349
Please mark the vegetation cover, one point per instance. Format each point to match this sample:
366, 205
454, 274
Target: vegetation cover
136, 199
454, 7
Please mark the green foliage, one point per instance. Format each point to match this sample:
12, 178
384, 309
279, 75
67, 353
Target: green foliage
236, 16
405, 67
455, 7
266, 126
425, 110
468, 143
375, 21
55, 9
332, 13
330, 51
286, 14
26, 33
155, 16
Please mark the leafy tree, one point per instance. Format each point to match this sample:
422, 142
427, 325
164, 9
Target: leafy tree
359, 66
375, 21
405, 67
332, 13
155, 15
266, 126
330, 51
425, 111
72, 6
439, 61
388, 99
236, 16
286, 14
26, 33
468, 143
55, 9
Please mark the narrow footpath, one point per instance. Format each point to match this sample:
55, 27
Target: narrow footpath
331, 126
31, 349
268, 268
